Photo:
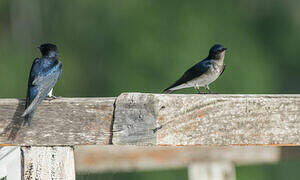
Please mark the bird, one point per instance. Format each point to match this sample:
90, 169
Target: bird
203, 73
44, 74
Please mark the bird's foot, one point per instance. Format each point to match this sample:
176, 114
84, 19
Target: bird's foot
201, 93
52, 98
207, 89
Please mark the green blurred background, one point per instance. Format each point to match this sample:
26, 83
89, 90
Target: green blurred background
112, 46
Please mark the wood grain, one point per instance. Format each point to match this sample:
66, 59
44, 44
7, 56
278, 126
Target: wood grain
207, 119
65, 121
99, 158
10, 162
156, 119
134, 120
48, 163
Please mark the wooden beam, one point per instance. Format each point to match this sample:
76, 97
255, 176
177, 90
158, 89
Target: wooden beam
155, 119
10, 162
48, 163
97, 158
64, 121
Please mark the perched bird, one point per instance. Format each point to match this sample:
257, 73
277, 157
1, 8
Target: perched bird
203, 73
44, 74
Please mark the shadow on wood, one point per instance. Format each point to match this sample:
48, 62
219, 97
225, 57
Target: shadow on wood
63, 121
16, 123
156, 120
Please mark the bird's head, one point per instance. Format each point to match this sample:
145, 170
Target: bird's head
217, 52
49, 50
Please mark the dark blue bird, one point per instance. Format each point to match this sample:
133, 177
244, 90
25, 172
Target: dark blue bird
44, 74
203, 73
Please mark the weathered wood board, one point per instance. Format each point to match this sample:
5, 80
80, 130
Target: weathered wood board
99, 158
48, 163
155, 119
64, 121
10, 162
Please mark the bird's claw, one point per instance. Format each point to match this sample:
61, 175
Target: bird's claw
52, 98
201, 93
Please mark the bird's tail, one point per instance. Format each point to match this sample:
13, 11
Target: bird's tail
169, 91
28, 119
33, 105
29, 111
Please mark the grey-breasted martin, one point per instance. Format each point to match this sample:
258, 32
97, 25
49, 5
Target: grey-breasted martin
203, 73
44, 74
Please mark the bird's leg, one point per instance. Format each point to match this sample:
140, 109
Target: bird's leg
197, 89
207, 88
54, 97
51, 96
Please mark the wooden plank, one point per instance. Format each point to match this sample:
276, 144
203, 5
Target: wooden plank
10, 162
158, 119
211, 171
135, 120
97, 158
64, 121
48, 163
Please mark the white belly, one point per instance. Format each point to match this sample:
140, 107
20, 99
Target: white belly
205, 79
50, 94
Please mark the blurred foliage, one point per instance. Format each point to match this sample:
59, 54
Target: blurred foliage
283, 170
178, 174
111, 46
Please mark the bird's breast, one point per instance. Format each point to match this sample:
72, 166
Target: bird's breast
208, 77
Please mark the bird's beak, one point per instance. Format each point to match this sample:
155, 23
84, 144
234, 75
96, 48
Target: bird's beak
38, 47
224, 49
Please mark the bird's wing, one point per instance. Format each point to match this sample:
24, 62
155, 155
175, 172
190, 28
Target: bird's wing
222, 70
192, 73
30, 79
31, 90
49, 75
46, 82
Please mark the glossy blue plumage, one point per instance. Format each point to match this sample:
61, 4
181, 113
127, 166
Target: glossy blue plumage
44, 74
